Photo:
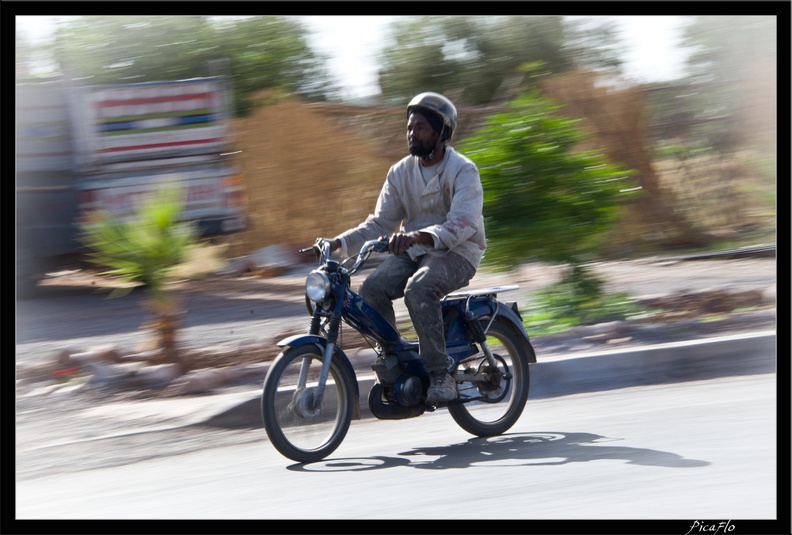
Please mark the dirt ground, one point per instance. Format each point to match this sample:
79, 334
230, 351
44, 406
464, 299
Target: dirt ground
237, 321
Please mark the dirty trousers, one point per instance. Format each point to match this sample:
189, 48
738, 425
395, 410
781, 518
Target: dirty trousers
422, 282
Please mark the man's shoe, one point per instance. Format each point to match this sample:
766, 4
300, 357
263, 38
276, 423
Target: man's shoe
442, 390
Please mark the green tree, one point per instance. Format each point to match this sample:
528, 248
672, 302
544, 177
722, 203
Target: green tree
725, 48
113, 49
256, 52
272, 52
593, 43
147, 250
543, 198
722, 118
733, 62
24, 52
477, 59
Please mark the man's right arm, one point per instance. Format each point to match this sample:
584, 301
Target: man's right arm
386, 219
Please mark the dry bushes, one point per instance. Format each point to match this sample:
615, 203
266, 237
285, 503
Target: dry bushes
618, 122
688, 203
316, 169
305, 176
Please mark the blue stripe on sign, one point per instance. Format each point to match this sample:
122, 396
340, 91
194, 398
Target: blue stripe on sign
139, 125
192, 119
115, 127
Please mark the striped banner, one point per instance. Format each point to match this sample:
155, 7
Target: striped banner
158, 119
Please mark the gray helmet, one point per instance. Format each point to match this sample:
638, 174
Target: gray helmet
439, 105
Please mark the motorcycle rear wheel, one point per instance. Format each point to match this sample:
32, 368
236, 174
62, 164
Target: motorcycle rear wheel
296, 427
503, 401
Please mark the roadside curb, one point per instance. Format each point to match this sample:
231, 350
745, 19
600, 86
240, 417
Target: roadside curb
673, 362
754, 251
692, 360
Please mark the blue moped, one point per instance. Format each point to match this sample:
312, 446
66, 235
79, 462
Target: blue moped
311, 392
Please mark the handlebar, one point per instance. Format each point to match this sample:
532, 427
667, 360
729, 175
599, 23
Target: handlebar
379, 245
321, 248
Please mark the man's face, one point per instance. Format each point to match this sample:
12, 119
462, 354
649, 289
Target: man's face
421, 137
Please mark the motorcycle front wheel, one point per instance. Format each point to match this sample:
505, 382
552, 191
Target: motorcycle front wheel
297, 426
502, 396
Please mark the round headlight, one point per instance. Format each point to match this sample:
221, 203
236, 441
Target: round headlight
317, 286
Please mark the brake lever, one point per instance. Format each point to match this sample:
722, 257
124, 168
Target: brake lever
320, 248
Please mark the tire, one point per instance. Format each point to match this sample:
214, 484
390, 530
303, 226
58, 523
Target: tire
296, 429
504, 399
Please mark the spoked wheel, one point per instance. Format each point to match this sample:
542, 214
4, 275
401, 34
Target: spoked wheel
502, 390
299, 427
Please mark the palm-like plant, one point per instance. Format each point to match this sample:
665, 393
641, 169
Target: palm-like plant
145, 250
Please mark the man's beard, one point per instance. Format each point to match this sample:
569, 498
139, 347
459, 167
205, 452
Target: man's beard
421, 150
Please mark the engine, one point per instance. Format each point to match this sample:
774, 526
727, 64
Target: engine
396, 395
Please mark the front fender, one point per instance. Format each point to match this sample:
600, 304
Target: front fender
298, 340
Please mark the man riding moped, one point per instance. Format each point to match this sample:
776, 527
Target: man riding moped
431, 207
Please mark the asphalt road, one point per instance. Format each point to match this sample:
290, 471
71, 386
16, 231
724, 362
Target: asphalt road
674, 452
63, 433
51, 463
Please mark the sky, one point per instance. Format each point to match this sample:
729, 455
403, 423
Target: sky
652, 51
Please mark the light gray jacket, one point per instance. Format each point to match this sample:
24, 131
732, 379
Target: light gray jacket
449, 207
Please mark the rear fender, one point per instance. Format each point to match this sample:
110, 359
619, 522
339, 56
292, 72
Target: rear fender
308, 339
511, 313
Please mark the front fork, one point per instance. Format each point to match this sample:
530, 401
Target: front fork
329, 349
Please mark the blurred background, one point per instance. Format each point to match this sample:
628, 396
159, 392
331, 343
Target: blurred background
597, 138
685, 106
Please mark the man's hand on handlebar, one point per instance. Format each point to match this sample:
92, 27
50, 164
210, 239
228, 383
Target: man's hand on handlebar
401, 241
320, 244
397, 244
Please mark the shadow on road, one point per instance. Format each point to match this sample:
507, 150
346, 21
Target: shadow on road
518, 449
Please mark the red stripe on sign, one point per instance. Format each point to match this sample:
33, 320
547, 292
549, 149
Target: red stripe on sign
160, 145
153, 100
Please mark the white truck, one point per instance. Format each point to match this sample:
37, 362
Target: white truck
82, 148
